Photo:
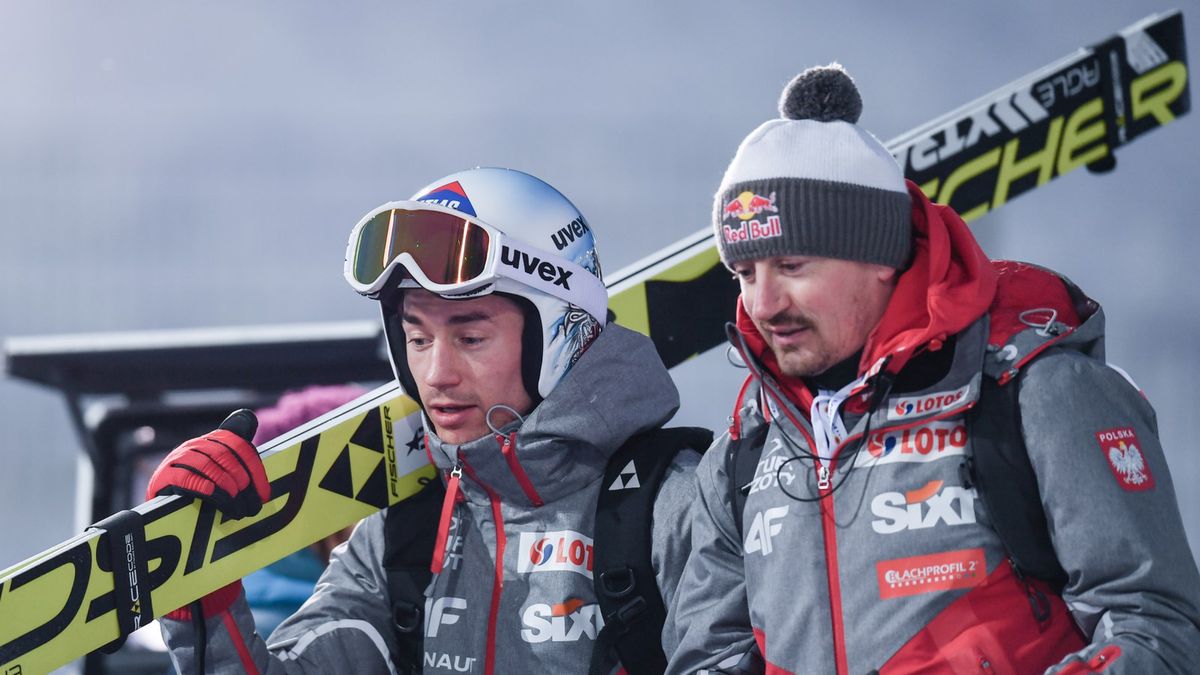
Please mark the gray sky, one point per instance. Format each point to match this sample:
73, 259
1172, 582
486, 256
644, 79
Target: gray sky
187, 164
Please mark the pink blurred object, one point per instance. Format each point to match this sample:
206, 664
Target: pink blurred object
297, 407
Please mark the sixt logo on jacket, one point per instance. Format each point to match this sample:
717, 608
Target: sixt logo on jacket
916, 406
567, 621
559, 551
923, 508
450, 195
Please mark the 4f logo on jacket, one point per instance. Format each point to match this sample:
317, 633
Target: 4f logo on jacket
441, 612
566, 621
766, 525
923, 508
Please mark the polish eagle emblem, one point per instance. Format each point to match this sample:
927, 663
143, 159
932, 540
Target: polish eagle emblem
1127, 459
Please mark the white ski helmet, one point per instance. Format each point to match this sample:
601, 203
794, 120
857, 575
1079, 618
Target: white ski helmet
540, 252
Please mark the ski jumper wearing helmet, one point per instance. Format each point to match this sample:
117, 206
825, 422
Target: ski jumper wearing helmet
513, 588
890, 559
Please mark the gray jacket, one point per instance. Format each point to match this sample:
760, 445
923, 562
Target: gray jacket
897, 569
515, 593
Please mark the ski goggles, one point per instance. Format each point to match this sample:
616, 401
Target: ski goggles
451, 253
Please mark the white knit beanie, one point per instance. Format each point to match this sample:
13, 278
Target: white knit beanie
814, 183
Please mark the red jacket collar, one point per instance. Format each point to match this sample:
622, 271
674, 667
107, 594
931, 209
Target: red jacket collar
949, 285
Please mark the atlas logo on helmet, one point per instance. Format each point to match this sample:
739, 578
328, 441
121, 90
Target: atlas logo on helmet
451, 195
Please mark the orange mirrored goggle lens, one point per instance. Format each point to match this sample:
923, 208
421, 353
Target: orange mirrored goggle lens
449, 249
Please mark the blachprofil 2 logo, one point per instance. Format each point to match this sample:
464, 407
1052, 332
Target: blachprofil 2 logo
929, 573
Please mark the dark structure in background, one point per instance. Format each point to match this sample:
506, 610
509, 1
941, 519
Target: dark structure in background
135, 396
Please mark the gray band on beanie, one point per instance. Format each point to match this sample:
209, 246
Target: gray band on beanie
811, 217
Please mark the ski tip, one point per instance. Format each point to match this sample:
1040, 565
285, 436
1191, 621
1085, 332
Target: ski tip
241, 422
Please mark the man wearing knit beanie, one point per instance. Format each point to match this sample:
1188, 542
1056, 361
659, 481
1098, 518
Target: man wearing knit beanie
930, 461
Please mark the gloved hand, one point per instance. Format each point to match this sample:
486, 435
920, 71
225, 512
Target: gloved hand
222, 468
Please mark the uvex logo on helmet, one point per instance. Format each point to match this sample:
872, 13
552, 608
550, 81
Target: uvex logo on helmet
533, 265
566, 235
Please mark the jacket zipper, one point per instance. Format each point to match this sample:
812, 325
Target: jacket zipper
832, 574
449, 503
489, 661
829, 537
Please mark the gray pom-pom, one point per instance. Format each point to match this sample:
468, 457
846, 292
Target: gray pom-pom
824, 94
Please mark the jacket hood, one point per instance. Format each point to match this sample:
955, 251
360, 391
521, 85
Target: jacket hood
949, 284
617, 389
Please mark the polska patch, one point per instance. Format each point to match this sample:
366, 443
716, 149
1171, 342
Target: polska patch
1124, 454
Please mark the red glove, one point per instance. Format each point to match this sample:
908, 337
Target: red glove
221, 468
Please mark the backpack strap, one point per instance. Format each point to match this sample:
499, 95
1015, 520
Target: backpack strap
1000, 469
407, 551
741, 462
623, 575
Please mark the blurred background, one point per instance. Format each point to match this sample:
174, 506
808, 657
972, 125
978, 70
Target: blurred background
186, 165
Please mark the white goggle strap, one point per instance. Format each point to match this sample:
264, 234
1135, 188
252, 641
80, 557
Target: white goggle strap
552, 275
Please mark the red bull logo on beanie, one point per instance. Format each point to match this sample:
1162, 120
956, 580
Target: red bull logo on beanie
450, 195
748, 204
561, 551
752, 230
745, 209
